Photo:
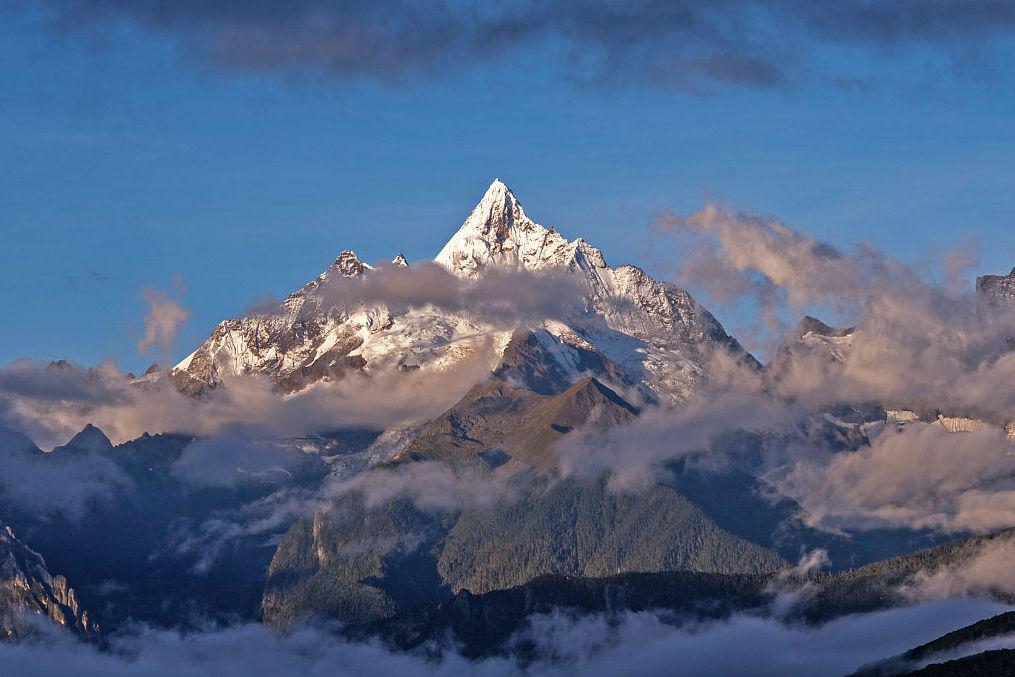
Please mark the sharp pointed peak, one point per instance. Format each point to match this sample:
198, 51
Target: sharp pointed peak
500, 196
498, 187
400, 260
496, 224
349, 265
90, 438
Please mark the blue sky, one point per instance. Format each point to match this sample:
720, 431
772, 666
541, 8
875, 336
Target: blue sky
127, 161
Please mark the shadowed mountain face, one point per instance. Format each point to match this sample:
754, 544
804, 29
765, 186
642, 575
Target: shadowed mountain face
532, 360
28, 592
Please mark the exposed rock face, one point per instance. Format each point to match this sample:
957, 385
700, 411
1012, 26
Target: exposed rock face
651, 333
304, 341
997, 288
28, 589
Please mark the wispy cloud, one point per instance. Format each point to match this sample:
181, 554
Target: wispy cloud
162, 321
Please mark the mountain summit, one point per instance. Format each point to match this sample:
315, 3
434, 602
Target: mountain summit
497, 232
631, 326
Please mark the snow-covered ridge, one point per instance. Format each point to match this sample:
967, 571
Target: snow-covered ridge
653, 332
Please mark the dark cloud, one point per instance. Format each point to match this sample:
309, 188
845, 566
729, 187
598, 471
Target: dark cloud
682, 43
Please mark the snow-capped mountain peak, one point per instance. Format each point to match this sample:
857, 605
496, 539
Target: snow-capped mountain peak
650, 331
498, 232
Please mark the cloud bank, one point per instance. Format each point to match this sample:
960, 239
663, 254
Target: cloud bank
50, 403
632, 644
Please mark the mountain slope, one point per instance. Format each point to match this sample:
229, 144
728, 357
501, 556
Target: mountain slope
482, 625
500, 424
885, 583
579, 528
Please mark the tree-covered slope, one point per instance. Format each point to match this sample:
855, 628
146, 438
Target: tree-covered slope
359, 564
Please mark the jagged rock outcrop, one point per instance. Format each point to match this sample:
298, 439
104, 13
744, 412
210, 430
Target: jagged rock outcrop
997, 288
29, 592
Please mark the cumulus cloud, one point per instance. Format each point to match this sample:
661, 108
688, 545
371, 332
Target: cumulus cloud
247, 650
162, 321
744, 644
684, 44
917, 343
920, 476
635, 455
